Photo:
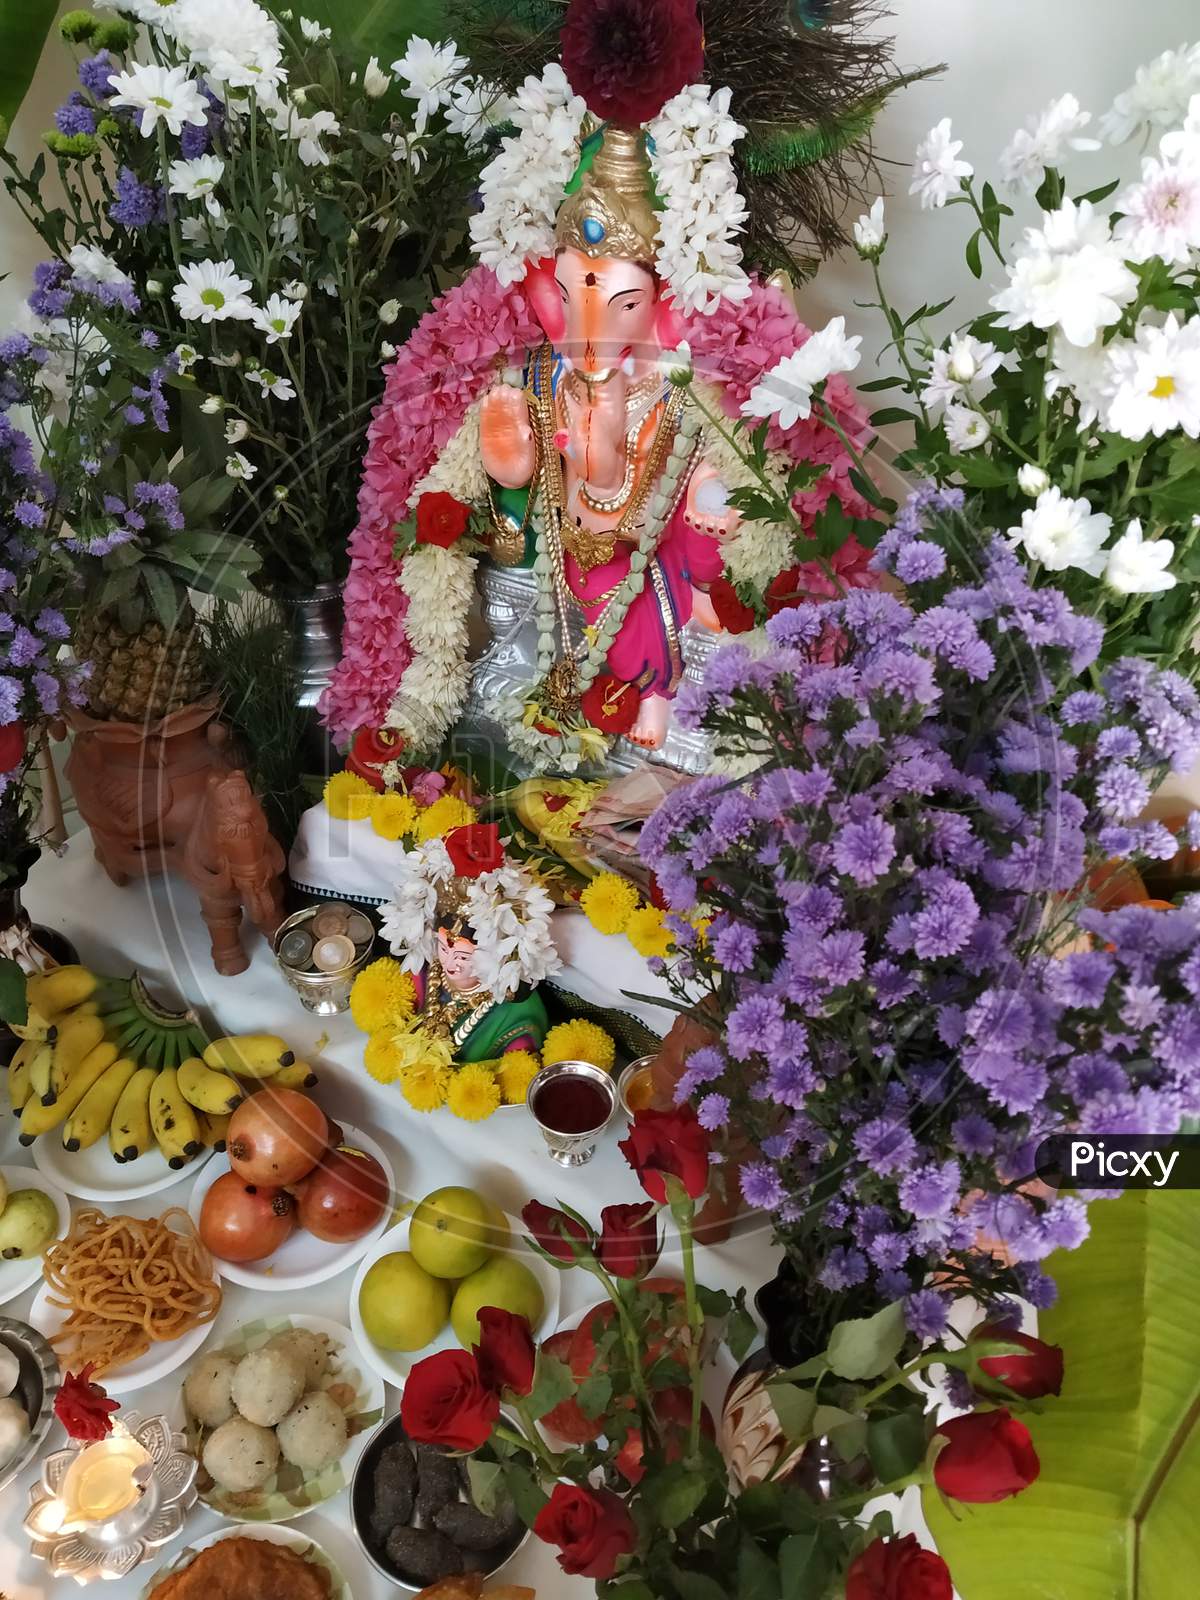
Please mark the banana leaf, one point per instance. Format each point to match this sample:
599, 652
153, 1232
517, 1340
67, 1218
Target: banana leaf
366, 28
24, 25
1113, 1514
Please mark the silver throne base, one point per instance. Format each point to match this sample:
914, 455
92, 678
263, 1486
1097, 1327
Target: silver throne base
507, 664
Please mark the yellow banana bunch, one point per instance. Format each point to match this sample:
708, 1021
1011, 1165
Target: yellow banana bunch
59, 989
129, 1133
207, 1089
38, 1118
174, 1122
18, 1075
297, 1076
37, 1025
41, 1066
91, 1117
249, 1055
213, 1129
76, 1038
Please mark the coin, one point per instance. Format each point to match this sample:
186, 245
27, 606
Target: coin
333, 953
295, 948
331, 920
360, 928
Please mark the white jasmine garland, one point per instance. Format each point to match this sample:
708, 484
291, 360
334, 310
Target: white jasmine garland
1044, 141
1139, 566
1061, 532
440, 585
690, 143
965, 366
870, 234
429, 72
1157, 98
162, 94
522, 186
1152, 381
938, 170
408, 921
786, 392
458, 469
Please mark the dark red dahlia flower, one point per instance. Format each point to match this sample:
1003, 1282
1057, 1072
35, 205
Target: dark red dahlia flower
628, 57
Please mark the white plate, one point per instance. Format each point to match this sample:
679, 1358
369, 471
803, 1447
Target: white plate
394, 1366
92, 1174
273, 1533
302, 1260
17, 1276
156, 1363
307, 1490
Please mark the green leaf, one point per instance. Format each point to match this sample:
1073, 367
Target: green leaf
864, 1346
553, 1383
486, 1479
758, 1576
13, 1006
880, 419
741, 1333
982, 473
896, 1444
794, 1408
697, 1585
594, 1394
674, 1493
165, 594
803, 1568
528, 1496
1176, 501
974, 261
713, 1302
24, 25
1112, 1515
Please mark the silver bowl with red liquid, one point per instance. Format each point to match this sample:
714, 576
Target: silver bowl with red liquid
572, 1102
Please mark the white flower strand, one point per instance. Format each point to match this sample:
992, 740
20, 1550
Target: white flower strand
440, 585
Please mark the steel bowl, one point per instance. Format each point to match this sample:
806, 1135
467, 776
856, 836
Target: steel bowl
37, 1385
362, 1501
572, 1149
323, 993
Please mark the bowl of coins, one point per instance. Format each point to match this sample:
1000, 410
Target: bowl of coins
321, 950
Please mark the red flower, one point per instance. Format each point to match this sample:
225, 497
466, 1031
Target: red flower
733, 616
898, 1569
551, 1229
1031, 1376
12, 745
505, 1354
667, 1142
441, 519
591, 1528
785, 591
372, 747
611, 704
628, 57
474, 849
673, 1412
83, 1407
445, 1403
988, 1456
629, 1242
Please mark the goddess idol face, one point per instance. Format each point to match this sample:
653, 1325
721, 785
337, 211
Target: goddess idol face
456, 956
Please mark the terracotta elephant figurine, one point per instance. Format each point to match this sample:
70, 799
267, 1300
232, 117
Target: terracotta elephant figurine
171, 796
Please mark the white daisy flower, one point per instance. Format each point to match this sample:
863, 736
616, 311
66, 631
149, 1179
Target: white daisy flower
676, 365
429, 73
1081, 371
236, 431
1158, 96
271, 383
186, 357
1080, 293
966, 429
1153, 381
939, 172
277, 318
1061, 532
236, 466
307, 131
313, 31
1139, 566
212, 292
1031, 479
785, 393
1043, 142
195, 179
161, 94
1161, 212
870, 232
475, 107
88, 262
965, 365
376, 82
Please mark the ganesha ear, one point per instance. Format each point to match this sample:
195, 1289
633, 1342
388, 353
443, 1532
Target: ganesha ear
669, 323
542, 292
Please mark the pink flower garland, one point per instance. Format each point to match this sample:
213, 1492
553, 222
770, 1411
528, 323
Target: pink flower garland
448, 361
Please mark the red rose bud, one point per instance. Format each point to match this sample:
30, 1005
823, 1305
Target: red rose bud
733, 616
441, 519
505, 1354
628, 57
629, 1242
551, 1229
83, 1407
668, 1143
474, 849
988, 1456
372, 749
12, 745
898, 1569
591, 1528
445, 1403
1031, 1376
610, 704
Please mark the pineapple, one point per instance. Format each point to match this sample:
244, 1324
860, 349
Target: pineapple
140, 674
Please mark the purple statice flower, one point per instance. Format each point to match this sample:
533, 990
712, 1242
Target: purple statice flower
944, 924
29, 514
797, 626
24, 648
865, 850
94, 74
927, 1313
49, 693
754, 1026
134, 416
50, 297
15, 347
1082, 707
1036, 1287
790, 1081
840, 956
1119, 744
885, 1145
762, 1187
75, 116
10, 699
844, 1267
892, 984
734, 946
713, 1112
137, 204
931, 1191
1155, 841
1122, 792
973, 1134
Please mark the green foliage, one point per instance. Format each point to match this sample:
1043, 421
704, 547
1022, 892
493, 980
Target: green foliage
1112, 1513
379, 28
13, 1006
24, 25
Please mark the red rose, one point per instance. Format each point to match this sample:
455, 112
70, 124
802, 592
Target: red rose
373, 747
988, 1456
1031, 1376
445, 1403
505, 1354
628, 57
83, 1407
474, 849
668, 1142
733, 616
12, 745
898, 1569
785, 591
551, 1230
611, 704
591, 1528
629, 1242
441, 519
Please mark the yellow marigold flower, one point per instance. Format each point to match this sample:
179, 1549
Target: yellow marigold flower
473, 1093
608, 902
349, 797
424, 1084
445, 813
393, 815
579, 1040
382, 996
515, 1071
647, 932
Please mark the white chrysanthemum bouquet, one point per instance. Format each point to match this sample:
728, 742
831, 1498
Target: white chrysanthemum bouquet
1072, 407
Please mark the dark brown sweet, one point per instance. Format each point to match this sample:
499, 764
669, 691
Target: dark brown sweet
437, 1477
423, 1554
395, 1489
471, 1529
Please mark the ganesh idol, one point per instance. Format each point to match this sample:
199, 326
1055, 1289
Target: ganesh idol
572, 407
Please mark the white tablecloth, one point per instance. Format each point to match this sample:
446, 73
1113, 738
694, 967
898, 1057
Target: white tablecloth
156, 927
